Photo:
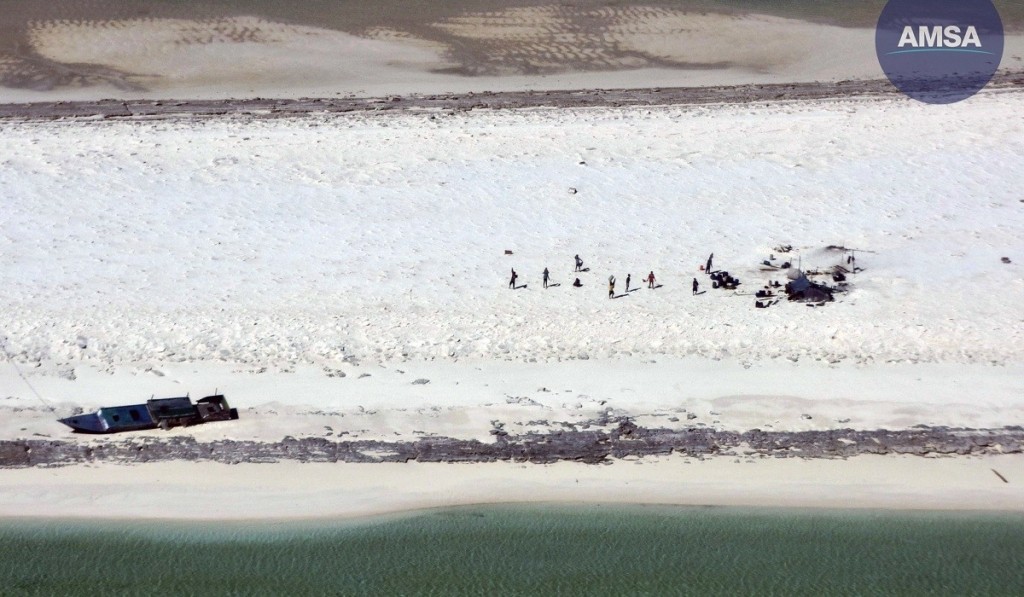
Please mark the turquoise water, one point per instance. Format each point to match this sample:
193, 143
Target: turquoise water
534, 550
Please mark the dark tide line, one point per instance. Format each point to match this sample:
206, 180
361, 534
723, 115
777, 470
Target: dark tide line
607, 98
593, 442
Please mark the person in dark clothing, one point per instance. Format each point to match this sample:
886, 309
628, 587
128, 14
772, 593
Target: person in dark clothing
579, 263
545, 277
512, 281
577, 283
696, 285
627, 282
650, 280
707, 268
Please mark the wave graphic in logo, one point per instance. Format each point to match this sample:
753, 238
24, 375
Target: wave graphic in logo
920, 50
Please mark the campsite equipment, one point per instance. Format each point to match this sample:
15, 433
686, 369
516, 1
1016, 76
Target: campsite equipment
801, 289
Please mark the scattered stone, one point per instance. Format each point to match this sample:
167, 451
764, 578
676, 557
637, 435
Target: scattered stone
421, 382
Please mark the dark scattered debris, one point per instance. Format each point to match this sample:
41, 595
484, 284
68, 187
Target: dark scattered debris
449, 104
620, 438
722, 279
800, 288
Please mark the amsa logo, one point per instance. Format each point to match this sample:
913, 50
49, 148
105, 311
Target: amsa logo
939, 51
938, 37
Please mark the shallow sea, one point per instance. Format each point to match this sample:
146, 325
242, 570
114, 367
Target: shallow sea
354, 15
527, 550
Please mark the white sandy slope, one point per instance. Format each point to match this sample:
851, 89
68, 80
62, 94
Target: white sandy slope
262, 256
266, 257
185, 490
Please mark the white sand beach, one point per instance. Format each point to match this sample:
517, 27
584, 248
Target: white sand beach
346, 276
187, 490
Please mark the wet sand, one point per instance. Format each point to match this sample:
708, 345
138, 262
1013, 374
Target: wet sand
171, 490
136, 50
130, 50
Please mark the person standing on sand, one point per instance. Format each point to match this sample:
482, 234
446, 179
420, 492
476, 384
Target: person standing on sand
627, 282
707, 268
512, 281
545, 277
611, 287
696, 285
579, 263
650, 280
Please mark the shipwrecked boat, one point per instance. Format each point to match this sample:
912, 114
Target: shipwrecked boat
159, 412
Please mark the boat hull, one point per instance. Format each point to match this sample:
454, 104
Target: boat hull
162, 412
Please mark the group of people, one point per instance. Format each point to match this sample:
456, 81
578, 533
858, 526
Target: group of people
650, 279
611, 283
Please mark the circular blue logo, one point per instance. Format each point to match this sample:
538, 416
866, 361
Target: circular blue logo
939, 51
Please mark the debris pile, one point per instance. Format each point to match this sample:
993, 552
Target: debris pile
800, 288
722, 279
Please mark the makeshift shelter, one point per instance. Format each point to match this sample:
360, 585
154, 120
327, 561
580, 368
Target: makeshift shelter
801, 289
